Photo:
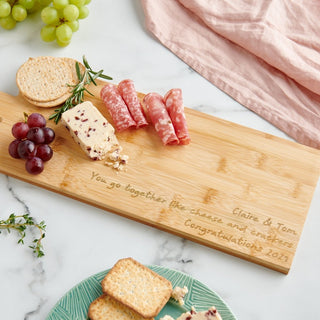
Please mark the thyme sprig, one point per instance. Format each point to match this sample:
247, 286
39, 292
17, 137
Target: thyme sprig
77, 93
22, 223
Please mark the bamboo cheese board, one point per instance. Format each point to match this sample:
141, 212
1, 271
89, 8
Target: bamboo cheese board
234, 189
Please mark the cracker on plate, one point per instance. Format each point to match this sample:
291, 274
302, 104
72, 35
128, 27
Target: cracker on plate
106, 307
137, 287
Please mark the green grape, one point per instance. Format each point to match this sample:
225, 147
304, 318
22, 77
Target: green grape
61, 17
8, 22
49, 15
63, 43
60, 14
48, 33
64, 33
83, 12
44, 3
5, 9
78, 3
71, 12
74, 25
19, 13
60, 4
37, 6
28, 4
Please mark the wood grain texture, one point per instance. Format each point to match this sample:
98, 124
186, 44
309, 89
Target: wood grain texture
233, 188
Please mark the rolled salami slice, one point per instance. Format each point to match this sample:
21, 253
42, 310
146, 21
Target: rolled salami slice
117, 108
174, 103
129, 95
160, 118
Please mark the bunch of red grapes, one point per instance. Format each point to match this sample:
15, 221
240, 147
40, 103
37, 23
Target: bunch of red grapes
32, 142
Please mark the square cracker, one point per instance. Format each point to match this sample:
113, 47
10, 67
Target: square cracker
137, 287
106, 307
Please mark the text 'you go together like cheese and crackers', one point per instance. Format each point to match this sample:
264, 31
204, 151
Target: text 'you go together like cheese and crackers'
213, 189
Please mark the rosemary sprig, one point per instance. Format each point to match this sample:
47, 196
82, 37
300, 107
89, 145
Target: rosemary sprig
20, 223
78, 90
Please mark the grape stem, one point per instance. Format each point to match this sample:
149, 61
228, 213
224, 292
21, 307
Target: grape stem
78, 90
20, 223
13, 2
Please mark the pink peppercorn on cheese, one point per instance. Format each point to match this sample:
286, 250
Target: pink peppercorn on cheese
211, 314
91, 130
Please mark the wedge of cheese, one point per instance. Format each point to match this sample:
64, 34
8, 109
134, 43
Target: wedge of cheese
91, 130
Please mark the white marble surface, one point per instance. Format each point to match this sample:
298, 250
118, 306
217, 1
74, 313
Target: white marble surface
82, 240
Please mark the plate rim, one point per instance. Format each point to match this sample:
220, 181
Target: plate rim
152, 267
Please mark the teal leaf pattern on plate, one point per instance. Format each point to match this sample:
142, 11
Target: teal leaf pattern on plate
75, 303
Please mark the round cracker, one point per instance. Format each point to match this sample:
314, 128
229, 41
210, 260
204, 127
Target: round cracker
72, 63
56, 102
44, 79
48, 104
62, 99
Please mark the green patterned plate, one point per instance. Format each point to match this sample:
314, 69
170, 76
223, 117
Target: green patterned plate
75, 303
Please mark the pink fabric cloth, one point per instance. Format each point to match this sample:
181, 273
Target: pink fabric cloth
264, 54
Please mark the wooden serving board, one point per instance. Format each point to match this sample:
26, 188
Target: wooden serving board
234, 189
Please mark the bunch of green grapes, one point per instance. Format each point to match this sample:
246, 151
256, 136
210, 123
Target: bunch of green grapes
12, 11
62, 19
60, 16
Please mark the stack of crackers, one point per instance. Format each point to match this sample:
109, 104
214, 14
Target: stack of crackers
45, 81
131, 291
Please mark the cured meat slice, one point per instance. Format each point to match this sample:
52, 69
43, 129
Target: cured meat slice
160, 118
117, 108
129, 95
174, 103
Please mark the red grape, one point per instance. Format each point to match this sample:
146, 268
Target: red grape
36, 135
26, 149
19, 130
34, 165
13, 149
32, 142
49, 135
36, 120
44, 152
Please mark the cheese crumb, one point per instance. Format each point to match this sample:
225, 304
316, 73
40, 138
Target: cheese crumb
167, 318
178, 294
116, 160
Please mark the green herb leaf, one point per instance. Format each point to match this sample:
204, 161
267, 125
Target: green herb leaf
92, 79
103, 76
78, 71
85, 62
85, 89
77, 92
22, 223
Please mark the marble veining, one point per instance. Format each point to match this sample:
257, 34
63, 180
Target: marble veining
16, 197
171, 253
